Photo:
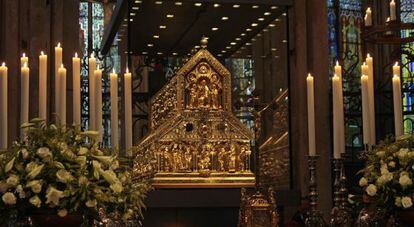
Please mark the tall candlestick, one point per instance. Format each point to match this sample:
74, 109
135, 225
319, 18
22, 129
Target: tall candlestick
337, 108
128, 111
76, 90
24, 99
393, 14
43, 86
365, 105
3, 106
62, 96
58, 63
371, 99
396, 87
114, 110
368, 17
341, 123
92, 93
98, 102
24, 60
311, 115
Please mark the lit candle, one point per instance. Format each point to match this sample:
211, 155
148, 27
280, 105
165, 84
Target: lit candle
393, 14
365, 104
24, 99
128, 112
3, 106
76, 90
396, 87
58, 63
98, 102
24, 60
311, 115
114, 109
341, 123
396, 70
62, 95
368, 17
337, 109
371, 99
92, 95
42, 86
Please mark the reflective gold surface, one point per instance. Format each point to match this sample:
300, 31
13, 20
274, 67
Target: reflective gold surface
194, 136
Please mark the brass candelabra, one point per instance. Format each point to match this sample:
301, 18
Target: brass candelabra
314, 218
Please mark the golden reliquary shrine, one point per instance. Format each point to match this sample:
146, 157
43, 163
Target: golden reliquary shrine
194, 136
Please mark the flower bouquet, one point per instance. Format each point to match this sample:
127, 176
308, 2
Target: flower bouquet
61, 170
387, 176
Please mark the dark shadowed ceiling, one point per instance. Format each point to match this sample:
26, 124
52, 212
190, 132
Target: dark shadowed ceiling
173, 27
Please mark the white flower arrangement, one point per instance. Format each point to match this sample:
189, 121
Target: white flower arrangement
64, 171
388, 175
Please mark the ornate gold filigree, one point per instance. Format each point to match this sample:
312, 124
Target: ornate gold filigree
194, 136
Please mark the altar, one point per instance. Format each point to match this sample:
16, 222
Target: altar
194, 137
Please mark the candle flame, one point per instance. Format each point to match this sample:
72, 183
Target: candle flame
388, 19
3, 64
58, 44
24, 55
364, 63
309, 75
76, 54
392, 1
113, 71
368, 9
61, 66
42, 53
337, 63
92, 55
127, 70
368, 55
396, 63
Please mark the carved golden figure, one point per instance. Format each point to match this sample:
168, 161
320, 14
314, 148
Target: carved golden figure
232, 158
203, 94
215, 97
192, 103
222, 156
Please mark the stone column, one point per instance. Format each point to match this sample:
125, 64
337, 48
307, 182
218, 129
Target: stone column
309, 53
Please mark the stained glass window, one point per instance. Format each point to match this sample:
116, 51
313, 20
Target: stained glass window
243, 85
91, 21
407, 16
345, 20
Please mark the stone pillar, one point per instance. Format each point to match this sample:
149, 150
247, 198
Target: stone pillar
308, 50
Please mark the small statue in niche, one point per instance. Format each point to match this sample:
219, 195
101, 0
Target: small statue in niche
192, 99
232, 158
241, 157
167, 159
222, 156
175, 157
188, 158
215, 97
204, 158
203, 94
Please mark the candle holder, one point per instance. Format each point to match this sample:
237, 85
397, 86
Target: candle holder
314, 218
339, 213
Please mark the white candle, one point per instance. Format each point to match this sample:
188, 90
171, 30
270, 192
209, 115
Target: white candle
368, 17
24, 60
42, 85
365, 105
396, 87
62, 96
114, 109
98, 102
24, 99
76, 90
341, 123
92, 95
365, 109
337, 108
311, 115
3, 106
58, 63
128, 112
371, 99
393, 14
